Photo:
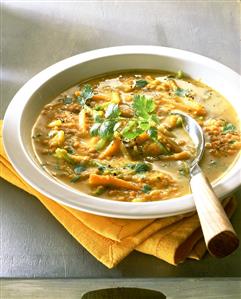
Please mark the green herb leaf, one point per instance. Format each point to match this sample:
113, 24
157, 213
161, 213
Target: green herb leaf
152, 132
144, 124
228, 127
107, 168
141, 83
164, 150
146, 188
145, 118
184, 169
97, 116
142, 167
86, 94
143, 106
130, 125
155, 118
132, 134
68, 100
150, 105
70, 150
62, 154
101, 168
106, 129
75, 179
98, 119
95, 129
180, 92
99, 108
112, 111
99, 190
79, 168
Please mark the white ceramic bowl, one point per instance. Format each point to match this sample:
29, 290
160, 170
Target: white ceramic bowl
42, 88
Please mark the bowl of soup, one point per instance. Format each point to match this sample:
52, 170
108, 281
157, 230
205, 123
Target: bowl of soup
96, 131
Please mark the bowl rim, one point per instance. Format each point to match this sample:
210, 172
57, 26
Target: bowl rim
65, 195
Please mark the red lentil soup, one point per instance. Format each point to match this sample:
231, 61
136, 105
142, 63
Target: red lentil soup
114, 136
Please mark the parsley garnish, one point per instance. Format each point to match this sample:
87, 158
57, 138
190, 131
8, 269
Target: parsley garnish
228, 127
70, 150
146, 188
107, 168
152, 132
63, 154
79, 168
112, 111
143, 106
75, 179
102, 168
86, 94
184, 169
145, 119
94, 130
68, 100
141, 83
105, 127
99, 190
180, 92
128, 131
139, 167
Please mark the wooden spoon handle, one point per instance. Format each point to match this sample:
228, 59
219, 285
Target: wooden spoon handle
220, 237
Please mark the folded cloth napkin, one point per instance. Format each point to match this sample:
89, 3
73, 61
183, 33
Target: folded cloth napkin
171, 239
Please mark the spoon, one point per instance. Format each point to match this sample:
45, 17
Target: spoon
220, 237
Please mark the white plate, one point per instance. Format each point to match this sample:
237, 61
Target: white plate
30, 99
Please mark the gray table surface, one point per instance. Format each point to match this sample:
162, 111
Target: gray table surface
35, 35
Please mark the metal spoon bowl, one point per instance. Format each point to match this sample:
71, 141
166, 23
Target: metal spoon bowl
196, 133
219, 235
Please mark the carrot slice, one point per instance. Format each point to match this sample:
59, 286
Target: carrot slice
142, 138
105, 180
111, 149
99, 97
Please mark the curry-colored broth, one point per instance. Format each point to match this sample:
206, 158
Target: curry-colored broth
69, 151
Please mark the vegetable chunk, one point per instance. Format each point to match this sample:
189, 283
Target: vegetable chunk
108, 180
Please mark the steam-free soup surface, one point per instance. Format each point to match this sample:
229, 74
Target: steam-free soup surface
115, 137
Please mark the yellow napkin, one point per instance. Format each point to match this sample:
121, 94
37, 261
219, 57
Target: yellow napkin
182, 239
110, 240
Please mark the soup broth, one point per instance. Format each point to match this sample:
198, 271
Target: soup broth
115, 136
